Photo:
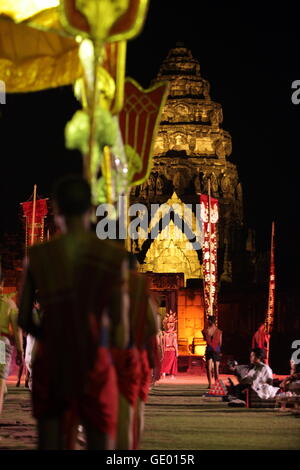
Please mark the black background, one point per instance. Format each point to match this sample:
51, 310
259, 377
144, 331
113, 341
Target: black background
249, 52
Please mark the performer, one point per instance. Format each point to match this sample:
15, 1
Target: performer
83, 292
259, 377
128, 365
159, 355
146, 340
9, 334
261, 340
170, 319
31, 344
170, 351
213, 338
23, 368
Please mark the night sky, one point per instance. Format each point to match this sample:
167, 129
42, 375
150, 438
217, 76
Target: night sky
249, 54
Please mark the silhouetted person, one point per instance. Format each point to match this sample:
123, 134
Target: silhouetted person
261, 340
82, 288
10, 334
132, 363
213, 338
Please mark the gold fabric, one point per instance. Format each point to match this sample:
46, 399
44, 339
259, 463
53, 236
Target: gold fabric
32, 60
19, 10
103, 20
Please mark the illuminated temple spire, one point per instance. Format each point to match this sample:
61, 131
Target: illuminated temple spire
190, 148
191, 120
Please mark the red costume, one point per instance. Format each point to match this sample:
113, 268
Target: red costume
79, 280
128, 367
143, 334
169, 362
131, 363
260, 339
213, 344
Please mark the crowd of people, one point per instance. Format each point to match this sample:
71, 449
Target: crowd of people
93, 339
92, 330
257, 375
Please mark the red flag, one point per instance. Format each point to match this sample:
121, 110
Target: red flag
41, 211
209, 251
139, 120
271, 299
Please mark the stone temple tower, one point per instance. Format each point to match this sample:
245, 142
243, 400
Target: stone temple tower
190, 147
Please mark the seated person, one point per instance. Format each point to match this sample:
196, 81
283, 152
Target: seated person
259, 377
292, 382
240, 371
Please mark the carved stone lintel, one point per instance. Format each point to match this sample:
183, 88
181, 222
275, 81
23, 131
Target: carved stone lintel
166, 281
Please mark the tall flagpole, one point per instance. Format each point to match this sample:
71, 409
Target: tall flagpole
271, 298
33, 215
210, 251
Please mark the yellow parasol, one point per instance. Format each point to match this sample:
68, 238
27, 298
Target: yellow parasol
33, 56
50, 43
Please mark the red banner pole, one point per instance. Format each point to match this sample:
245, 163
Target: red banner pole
271, 303
33, 215
210, 251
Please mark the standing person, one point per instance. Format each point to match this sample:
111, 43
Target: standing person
83, 292
170, 351
213, 338
128, 366
23, 368
146, 340
9, 334
30, 343
261, 340
170, 318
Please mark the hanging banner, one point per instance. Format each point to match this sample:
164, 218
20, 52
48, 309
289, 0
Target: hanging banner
139, 121
271, 299
41, 211
209, 251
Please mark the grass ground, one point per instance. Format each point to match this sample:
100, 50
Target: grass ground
177, 417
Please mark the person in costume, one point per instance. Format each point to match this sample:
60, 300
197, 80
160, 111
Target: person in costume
258, 377
170, 351
31, 344
83, 293
159, 347
23, 368
169, 319
213, 337
146, 341
10, 334
128, 366
261, 339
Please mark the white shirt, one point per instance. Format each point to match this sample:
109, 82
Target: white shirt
259, 375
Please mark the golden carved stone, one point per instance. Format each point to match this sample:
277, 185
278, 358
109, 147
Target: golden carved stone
190, 147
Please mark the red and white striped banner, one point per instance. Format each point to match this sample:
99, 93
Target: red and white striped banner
271, 300
209, 250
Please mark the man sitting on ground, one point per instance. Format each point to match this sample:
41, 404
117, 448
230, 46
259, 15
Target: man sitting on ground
259, 378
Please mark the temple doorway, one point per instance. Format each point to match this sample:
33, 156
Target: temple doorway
188, 305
